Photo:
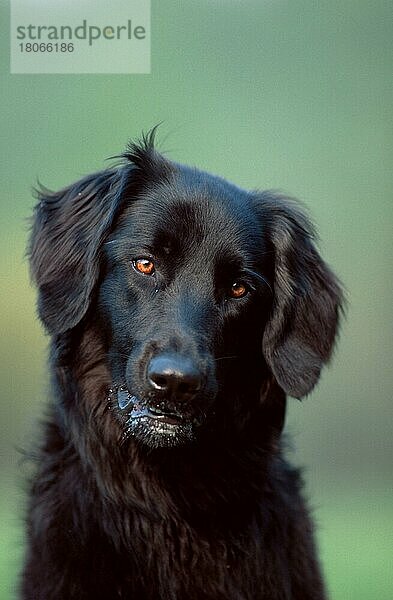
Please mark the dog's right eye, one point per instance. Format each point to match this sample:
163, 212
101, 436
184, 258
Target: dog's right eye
144, 266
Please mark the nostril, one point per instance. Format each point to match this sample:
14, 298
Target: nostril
159, 381
174, 374
188, 386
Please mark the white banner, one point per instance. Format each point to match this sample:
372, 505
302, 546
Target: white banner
80, 36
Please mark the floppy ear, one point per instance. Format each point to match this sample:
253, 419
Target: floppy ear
68, 229
299, 335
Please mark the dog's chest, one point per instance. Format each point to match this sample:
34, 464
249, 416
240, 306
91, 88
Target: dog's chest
169, 560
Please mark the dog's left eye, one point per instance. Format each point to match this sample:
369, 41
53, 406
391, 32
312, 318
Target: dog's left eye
238, 289
144, 266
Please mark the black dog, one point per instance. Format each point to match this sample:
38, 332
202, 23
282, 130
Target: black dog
182, 310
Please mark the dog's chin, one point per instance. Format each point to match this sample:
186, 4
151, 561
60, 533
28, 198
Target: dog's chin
151, 425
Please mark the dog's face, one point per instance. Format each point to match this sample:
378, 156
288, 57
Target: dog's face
183, 300
201, 292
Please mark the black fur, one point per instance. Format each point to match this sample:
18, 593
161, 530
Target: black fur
152, 492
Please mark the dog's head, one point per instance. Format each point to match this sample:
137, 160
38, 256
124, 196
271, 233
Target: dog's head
201, 292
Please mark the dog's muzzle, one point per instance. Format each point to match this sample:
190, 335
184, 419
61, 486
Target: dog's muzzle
167, 409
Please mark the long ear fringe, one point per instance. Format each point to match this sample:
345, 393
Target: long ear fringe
308, 298
68, 228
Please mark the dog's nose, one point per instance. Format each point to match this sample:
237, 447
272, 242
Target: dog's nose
173, 374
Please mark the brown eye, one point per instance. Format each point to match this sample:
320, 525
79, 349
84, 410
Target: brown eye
238, 290
144, 266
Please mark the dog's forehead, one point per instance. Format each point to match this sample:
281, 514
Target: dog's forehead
194, 212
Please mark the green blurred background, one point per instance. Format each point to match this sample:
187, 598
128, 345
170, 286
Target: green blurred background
285, 94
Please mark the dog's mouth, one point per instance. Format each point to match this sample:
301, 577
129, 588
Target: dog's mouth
170, 418
146, 412
137, 409
152, 422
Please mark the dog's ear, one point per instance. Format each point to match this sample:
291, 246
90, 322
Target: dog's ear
68, 229
300, 333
